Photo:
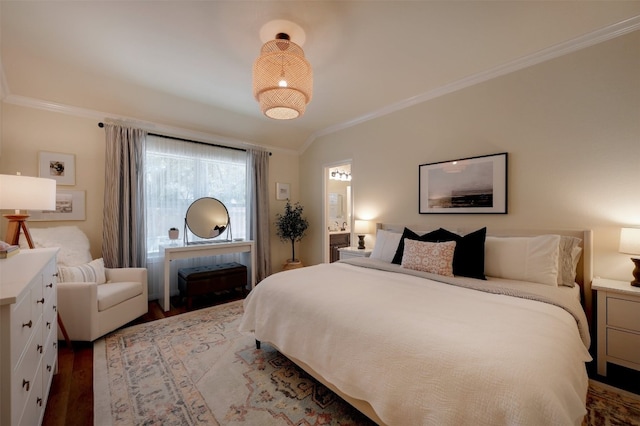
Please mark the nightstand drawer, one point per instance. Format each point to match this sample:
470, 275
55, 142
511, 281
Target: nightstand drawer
623, 313
623, 345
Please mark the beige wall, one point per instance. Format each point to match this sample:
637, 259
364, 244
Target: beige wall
571, 127
26, 131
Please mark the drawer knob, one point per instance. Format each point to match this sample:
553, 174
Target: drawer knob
55, 345
40, 301
48, 367
55, 274
39, 402
50, 285
25, 384
55, 308
29, 324
39, 348
48, 325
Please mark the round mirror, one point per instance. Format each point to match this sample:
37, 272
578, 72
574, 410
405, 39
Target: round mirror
207, 217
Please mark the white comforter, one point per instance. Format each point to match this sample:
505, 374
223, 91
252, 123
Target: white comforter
422, 352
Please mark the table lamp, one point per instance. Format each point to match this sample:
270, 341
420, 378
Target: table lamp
361, 227
24, 193
630, 244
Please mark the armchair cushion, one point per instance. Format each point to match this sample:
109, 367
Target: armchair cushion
111, 294
92, 272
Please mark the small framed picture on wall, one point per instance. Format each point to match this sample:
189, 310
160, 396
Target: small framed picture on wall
283, 191
58, 166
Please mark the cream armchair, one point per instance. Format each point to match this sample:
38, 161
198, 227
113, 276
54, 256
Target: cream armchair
90, 310
106, 299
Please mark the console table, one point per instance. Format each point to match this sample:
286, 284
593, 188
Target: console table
189, 251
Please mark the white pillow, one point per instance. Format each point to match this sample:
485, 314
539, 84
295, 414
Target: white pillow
533, 259
92, 272
436, 258
386, 245
568, 260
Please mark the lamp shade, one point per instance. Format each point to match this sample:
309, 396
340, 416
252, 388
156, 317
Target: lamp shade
27, 193
282, 79
630, 241
361, 227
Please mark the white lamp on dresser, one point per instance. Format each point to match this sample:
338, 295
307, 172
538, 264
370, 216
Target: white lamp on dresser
19, 192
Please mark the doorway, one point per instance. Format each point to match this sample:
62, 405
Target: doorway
338, 208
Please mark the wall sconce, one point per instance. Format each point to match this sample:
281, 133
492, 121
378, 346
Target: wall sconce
340, 175
361, 228
24, 193
630, 244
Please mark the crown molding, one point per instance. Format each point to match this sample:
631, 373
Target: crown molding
607, 33
149, 126
595, 37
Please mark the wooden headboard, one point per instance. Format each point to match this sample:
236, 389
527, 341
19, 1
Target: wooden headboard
584, 274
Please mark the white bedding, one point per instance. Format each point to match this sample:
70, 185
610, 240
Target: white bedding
423, 352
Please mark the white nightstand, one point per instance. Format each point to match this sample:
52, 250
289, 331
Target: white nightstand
618, 324
348, 252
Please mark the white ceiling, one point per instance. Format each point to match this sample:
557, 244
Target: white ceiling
188, 64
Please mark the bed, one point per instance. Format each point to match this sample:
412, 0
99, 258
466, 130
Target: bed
489, 330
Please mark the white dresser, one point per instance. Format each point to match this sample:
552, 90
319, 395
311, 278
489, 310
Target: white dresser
28, 334
618, 324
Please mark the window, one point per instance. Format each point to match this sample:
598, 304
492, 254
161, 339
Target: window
177, 173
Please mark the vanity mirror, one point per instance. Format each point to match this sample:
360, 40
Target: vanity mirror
207, 218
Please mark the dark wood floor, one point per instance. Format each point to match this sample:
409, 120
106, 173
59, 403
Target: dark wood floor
71, 397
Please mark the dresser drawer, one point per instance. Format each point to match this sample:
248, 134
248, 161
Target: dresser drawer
25, 381
22, 326
623, 345
50, 359
34, 408
623, 313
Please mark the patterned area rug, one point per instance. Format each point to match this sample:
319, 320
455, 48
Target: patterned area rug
609, 406
196, 369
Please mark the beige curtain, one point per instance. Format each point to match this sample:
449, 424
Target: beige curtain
123, 231
258, 181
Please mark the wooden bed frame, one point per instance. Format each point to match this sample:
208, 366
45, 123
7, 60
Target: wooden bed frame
583, 278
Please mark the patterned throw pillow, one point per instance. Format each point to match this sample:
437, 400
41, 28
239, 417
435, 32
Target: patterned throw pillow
92, 272
436, 258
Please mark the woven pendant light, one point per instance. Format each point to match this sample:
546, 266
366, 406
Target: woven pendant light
282, 79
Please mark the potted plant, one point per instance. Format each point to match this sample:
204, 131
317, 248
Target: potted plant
173, 233
291, 226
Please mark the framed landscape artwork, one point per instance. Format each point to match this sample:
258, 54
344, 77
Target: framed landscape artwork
467, 185
70, 205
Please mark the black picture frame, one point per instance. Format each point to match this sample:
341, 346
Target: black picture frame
465, 186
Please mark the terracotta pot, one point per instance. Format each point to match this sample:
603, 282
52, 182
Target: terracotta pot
289, 264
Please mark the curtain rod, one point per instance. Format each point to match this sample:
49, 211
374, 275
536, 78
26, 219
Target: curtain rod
101, 125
